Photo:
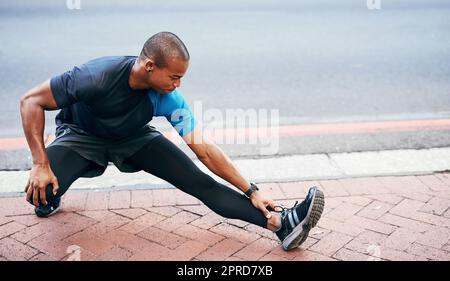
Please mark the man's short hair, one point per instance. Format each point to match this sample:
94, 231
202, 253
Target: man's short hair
163, 46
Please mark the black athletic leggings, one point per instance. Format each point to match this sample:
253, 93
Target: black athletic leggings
165, 160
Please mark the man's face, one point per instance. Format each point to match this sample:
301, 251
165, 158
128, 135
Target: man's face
166, 79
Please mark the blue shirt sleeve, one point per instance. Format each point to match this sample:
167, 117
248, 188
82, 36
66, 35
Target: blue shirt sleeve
175, 109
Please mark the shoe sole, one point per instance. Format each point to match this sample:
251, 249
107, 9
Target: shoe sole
301, 231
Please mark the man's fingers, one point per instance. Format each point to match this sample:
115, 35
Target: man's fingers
55, 186
272, 205
29, 194
43, 196
35, 196
265, 211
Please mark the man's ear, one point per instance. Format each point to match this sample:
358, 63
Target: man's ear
149, 65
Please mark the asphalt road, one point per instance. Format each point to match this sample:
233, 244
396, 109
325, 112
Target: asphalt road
314, 61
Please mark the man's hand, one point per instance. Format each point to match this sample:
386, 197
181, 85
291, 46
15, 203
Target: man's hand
261, 203
41, 175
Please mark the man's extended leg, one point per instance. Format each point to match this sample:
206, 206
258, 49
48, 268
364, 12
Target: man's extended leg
165, 160
67, 166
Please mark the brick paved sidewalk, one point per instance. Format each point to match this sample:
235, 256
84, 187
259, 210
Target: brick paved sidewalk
388, 218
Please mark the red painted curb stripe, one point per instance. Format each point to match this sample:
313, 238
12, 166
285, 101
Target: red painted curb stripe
290, 131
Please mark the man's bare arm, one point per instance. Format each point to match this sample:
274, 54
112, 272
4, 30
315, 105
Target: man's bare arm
32, 107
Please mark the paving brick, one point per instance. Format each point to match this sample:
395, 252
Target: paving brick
200, 210
54, 248
434, 183
235, 222
446, 247
428, 252
333, 188
208, 221
234, 232
371, 225
309, 242
187, 251
221, 250
27, 220
348, 255
375, 210
195, 233
98, 215
151, 252
436, 206
97, 200
416, 196
141, 198
436, 237
406, 208
395, 255
5, 220
90, 242
119, 199
74, 201
386, 198
176, 221
338, 226
15, 251
233, 258
272, 257
167, 239
256, 249
356, 200
414, 225
127, 241
319, 232
15, 206
364, 186
261, 231
73, 219
289, 255
114, 254
403, 184
10, 228
166, 211
366, 242
164, 197
108, 224
34, 231
401, 239
331, 243
183, 198
271, 190
142, 223
297, 190
311, 256
130, 213
343, 212
42, 257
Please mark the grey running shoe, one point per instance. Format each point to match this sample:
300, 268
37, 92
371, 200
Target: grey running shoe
296, 222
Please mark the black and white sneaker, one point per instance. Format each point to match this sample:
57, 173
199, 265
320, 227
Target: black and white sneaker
44, 211
296, 222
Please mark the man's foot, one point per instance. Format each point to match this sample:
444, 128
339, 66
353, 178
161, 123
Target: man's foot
49, 209
296, 222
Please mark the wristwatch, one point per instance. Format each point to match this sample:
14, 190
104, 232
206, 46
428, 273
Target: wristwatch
251, 189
